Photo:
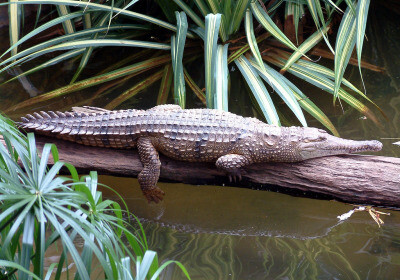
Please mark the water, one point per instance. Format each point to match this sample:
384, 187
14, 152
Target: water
230, 233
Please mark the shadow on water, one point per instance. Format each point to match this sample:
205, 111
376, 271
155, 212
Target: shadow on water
232, 233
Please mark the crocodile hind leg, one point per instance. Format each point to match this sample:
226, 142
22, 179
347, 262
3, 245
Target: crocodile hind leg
231, 163
148, 177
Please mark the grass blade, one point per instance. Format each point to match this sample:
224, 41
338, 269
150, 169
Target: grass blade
27, 245
177, 48
221, 83
259, 90
4, 263
210, 49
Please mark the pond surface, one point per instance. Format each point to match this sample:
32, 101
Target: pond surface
230, 233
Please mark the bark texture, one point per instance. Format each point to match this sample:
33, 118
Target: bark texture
357, 179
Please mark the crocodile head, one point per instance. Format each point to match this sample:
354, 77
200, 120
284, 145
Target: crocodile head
316, 143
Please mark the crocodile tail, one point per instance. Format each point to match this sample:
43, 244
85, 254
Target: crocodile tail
54, 122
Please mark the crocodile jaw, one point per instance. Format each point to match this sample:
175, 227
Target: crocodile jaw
332, 145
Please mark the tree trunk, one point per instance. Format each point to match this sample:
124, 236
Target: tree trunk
356, 179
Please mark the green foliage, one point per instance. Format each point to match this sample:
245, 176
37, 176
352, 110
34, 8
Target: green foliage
38, 208
221, 31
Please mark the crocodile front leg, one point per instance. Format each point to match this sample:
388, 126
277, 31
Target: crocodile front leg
148, 177
231, 163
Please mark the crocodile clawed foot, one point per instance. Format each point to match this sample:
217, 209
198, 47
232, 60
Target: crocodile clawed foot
154, 194
235, 175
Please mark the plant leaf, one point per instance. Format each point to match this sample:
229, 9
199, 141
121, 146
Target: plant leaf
259, 90
311, 42
274, 79
237, 15
251, 39
190, 13
210, 50
177, 48
221, 80
132, 69
345, 42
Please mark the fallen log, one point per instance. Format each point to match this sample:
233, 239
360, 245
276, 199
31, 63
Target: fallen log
357, 179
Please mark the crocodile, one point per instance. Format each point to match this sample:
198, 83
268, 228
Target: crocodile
194, 135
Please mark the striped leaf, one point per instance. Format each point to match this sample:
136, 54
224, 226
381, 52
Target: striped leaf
136, 68
210, 52
42, 28
311, 42
345, 42
259, 90
274, 79
362, 14
84, 34
190, 13
165, 86
263, 18
296, 11
221, 83
251, 39
92, 43
325, 84
14, 15
88, 51
237, 15
50, 62
270, 26
275, 5
96, 6
216, 8
67, 24
310, 107
202, 7
314, 6
177, 47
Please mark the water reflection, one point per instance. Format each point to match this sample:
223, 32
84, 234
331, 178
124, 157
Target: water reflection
232, 233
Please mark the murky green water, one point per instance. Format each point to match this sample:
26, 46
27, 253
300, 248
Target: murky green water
230, 233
